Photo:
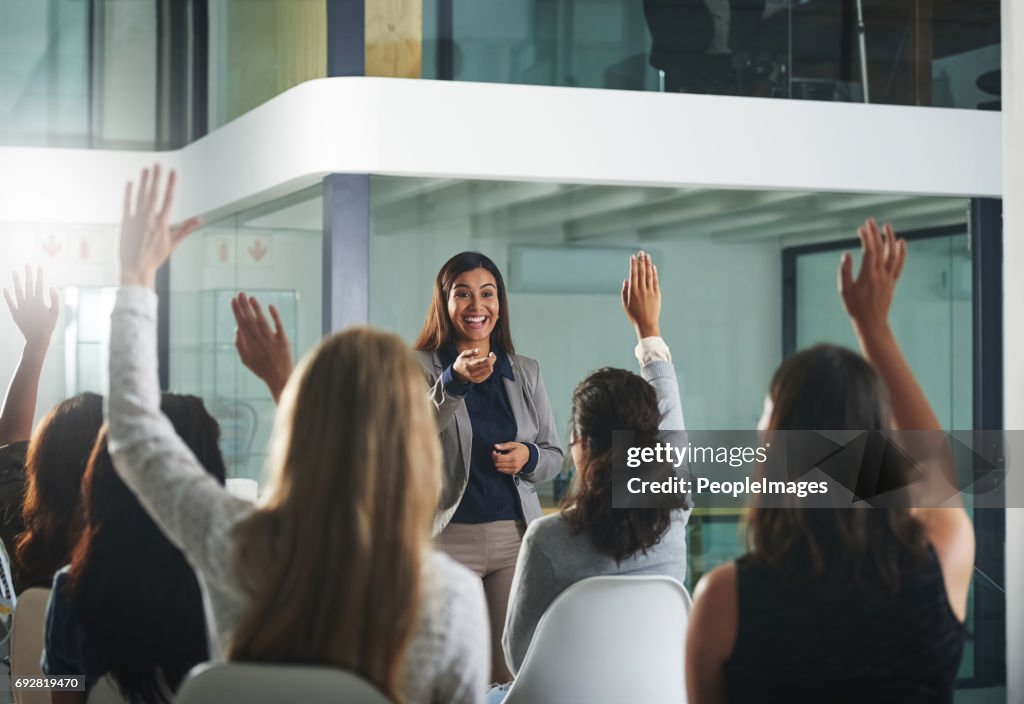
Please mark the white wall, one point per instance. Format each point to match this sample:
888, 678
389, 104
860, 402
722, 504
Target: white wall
1013, 330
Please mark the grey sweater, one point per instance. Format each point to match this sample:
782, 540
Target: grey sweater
552, 558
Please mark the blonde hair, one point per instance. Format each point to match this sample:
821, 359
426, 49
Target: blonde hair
333, 559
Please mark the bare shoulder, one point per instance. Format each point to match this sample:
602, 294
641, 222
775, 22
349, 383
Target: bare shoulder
717, 589
714, 618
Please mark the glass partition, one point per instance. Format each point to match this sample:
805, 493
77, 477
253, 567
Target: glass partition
941, 54
261, 48
272, 252
44, 72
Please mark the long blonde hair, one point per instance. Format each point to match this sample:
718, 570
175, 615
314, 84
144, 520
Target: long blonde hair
333, 559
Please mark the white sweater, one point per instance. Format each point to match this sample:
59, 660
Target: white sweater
448, 659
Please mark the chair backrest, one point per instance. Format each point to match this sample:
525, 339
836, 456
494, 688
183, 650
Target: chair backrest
105, 692
257, 683
27, 641
608, 640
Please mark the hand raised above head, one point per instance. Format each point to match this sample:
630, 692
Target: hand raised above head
641, 296
266, 353
147, 238
867, 297
34, 318
469, 367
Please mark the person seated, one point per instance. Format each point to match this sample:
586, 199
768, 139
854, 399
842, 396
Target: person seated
128, 606
36, 321
588, 537
335, 566
54, 465
848, 604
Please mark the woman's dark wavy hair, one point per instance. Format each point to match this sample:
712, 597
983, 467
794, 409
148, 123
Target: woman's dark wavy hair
132, 591
827, 387
54, 466
438, 330
605, 401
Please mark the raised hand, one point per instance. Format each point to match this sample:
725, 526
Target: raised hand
470, 368
641, 296
34, 318
266, 353
868, 297
147, 238
510, 457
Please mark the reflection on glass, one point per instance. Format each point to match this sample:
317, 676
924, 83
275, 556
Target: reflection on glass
272, 252
261, 48
87, 337
805, 49
44, 81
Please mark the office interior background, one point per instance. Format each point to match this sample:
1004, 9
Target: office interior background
339, 152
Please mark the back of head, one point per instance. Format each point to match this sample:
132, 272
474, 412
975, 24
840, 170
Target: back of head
827, 387
606, 401
54, 465
134, 594
333, 559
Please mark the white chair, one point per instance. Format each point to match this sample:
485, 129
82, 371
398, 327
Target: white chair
27, 640
105, 692
256, 683
608, 640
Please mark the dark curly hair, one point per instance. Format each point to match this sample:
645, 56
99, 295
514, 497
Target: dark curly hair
606, 401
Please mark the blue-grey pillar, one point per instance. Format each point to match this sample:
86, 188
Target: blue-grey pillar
346, 197
346, 251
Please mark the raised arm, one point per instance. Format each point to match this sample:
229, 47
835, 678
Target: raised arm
867, 299
641, 302
191, 508
36, 321
266, 353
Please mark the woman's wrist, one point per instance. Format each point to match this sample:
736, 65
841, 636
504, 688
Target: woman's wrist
872, 330
647, 330
146, 279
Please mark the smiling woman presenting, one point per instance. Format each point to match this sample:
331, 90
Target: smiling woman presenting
496, 426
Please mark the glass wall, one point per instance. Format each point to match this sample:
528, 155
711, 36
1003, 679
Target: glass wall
78, 74
44, 72
272, 252
947, 56
261, 48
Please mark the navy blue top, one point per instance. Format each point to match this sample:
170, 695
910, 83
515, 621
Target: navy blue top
490, 495
66, 651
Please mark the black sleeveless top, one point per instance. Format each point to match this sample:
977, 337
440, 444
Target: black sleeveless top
813, 644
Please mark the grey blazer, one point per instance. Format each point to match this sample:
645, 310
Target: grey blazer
534, 420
